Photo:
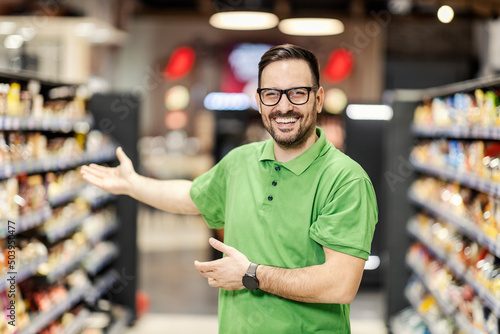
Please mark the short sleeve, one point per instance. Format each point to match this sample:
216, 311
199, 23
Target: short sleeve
208, 193
347, 222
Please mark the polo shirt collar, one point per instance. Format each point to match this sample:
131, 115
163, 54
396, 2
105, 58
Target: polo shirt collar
303, 161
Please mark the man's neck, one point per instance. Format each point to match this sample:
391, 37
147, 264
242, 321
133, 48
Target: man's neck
283, 154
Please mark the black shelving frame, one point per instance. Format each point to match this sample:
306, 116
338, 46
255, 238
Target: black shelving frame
119, 282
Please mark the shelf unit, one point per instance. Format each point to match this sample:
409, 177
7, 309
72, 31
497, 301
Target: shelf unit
104, 270
464, 225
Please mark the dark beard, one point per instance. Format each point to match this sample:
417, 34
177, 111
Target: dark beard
293, 142
302, 135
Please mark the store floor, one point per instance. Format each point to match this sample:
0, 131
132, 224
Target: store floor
181, 302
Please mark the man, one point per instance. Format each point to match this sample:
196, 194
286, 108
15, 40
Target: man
298, 214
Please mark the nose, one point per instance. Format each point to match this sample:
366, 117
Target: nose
284, 105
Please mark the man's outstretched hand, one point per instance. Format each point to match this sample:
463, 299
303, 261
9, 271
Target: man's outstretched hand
225, 273
115, 180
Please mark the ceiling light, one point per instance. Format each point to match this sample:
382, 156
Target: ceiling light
27, 33
243, 20
335, 101
227, 101
85, 29
311, 27
379, 112
7, 28
445, 14
13, 42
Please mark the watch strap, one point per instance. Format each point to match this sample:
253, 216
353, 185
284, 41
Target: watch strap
252, 269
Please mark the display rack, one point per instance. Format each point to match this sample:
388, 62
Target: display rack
446, 256
98, 258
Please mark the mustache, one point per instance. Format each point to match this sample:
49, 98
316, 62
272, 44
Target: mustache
276, 114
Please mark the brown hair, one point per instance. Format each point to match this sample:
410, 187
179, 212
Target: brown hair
290, 52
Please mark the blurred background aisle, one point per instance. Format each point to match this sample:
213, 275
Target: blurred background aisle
412, 93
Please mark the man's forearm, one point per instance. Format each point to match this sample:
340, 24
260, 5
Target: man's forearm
315, 284
168, 195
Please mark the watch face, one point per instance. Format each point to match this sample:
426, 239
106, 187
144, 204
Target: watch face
250, 282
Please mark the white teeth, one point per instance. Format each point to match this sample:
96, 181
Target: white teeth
286, 120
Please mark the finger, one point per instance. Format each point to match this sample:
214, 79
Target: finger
222, 247
99, 167
92, 179
122, 157
95, 172
212, 282
205, 267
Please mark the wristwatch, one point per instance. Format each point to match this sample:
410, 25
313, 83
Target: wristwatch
250, 280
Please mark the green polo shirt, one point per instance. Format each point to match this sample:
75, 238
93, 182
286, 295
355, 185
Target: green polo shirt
282, 214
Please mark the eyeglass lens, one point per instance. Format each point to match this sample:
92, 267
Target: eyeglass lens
295, 95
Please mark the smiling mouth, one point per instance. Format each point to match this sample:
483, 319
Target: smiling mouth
286, 120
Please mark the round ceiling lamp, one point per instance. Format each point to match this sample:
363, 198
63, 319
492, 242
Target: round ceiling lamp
445, 14
335, 101
177, 97
311, 27
244, 20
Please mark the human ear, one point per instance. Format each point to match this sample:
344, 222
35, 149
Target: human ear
320, 98
257, 99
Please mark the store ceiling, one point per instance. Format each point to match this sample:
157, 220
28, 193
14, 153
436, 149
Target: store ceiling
283, 8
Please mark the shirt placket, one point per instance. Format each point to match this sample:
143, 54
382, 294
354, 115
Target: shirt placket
272, 186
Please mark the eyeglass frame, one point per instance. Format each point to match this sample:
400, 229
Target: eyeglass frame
285, 91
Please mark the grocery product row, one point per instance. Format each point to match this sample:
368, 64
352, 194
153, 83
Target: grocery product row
446, 302
59, 308
459, 111
36, 152
31, 98
480, 159
474, 213
56, 202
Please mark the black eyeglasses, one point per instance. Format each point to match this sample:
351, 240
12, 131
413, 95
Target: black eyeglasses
296, 95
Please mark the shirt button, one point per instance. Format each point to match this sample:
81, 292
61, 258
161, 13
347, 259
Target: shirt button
274, 183
277, 168
270, 198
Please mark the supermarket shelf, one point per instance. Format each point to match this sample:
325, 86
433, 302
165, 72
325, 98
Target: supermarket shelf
53, 123
449, 311
417, 95
475, 132
446, 306
49, 80
65, 268
26, 222
82, 191
467, 179
466, 226
458, 270
23, 272
55, 234
78, 323
66, 196
109, 228
93, 264
43, 319
101, 285
100, 200
54, 163
414, 303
